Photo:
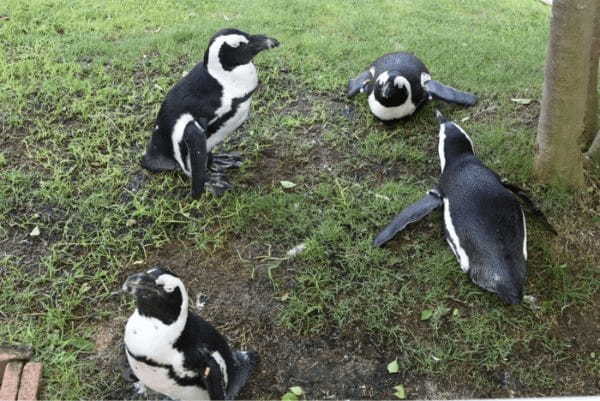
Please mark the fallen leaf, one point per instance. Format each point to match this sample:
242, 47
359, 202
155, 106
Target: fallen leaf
426, 314
287, 184
35, 232
297, 390
393, 366
400, 392
130, 222
289, 397
521, 100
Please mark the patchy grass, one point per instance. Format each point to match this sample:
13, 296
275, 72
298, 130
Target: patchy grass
80, 86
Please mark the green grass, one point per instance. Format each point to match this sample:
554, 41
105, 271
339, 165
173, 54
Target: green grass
80, 86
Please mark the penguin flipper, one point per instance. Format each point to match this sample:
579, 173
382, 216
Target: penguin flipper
449, 94
412, 213
360, 84
213, 380
246, 362
530, 204
194, 137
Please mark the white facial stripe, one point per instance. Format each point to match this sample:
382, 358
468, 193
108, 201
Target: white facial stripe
372, 71
222, 365
169, 282
383, 78
424, 78
459, 252
177, 138
236, 83
442, 136
232, 40
400, 81
524, 238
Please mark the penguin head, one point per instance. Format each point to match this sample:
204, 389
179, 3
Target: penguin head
391, 88
230, 48
506, 283
159, 293
453, 140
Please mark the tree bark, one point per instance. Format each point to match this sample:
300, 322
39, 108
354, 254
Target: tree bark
559, 160
590, 121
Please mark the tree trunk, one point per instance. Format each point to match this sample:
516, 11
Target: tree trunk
590, 122
559, 159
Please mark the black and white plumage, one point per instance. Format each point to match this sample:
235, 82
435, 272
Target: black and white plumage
484, 223
205, 106
399, 83
175, 352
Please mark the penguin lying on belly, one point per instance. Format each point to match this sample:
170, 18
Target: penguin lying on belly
399, 83
175, 352
204, 107
484, 223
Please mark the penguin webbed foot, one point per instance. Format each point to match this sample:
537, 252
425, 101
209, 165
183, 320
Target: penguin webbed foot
217, 184
222, 161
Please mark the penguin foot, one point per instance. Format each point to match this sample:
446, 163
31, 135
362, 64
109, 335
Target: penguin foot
139, 388
223, 161
217, 184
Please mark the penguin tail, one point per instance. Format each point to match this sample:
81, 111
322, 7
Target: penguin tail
154, 160
246, 362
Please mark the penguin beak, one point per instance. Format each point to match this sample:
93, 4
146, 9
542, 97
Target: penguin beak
259, 43
140, 282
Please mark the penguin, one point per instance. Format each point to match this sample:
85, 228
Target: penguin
204, 107
174, 351
397, 84
484, 223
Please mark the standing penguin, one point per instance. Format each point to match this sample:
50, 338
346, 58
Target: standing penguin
175, 352
399, 83
484, 223
205, 106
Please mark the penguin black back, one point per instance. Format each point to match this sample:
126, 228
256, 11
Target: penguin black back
484, 223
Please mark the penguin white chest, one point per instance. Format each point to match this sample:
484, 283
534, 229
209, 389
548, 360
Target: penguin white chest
157, 378
391, 113
230, 125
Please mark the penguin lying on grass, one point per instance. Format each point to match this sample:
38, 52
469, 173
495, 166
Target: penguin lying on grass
484, 223
175, 352
399, 83
205, 106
